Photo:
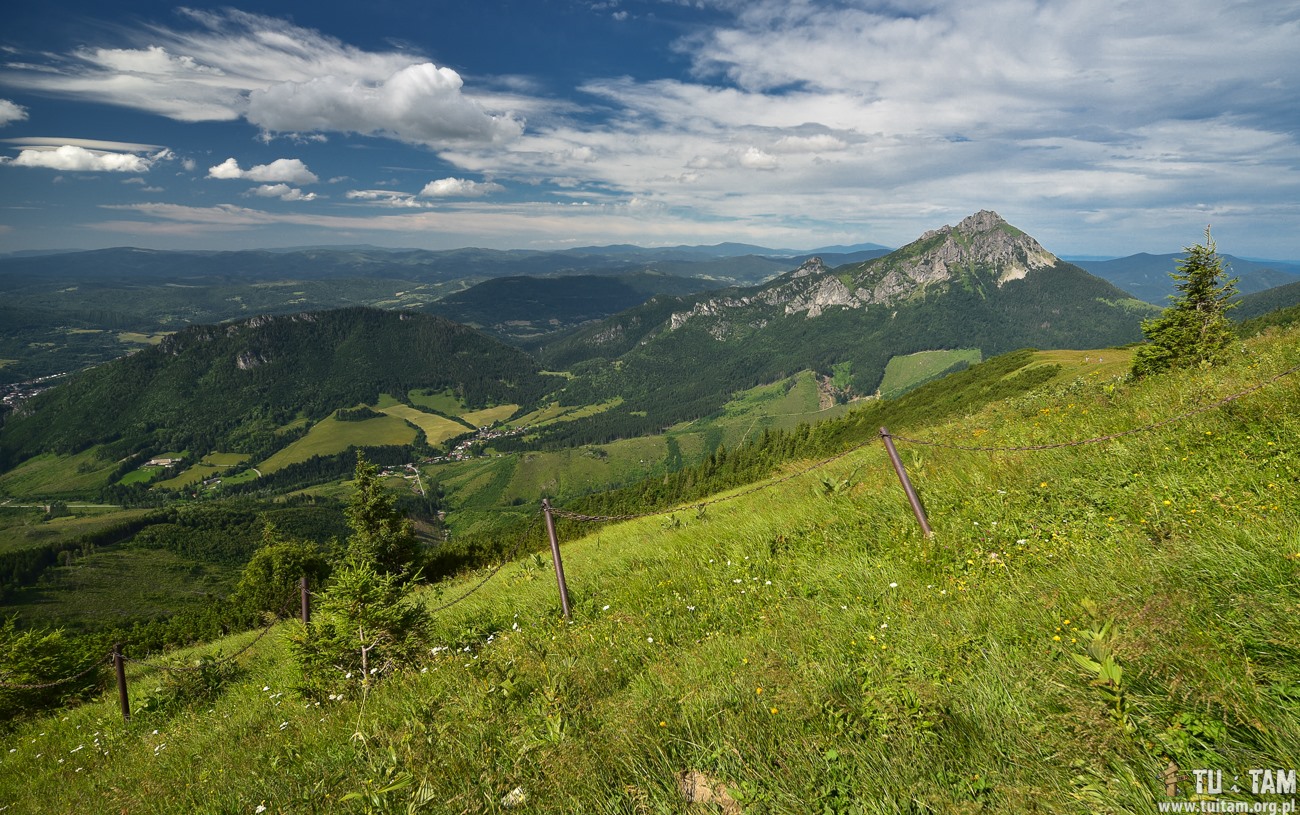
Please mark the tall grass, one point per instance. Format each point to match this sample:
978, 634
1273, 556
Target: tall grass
805, 646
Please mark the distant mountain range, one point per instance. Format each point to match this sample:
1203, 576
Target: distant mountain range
660, 348
1146, 276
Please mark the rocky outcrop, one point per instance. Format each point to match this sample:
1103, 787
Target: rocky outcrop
983, 245
981, 250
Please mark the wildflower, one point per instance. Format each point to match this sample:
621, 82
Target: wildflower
663, 724
260, 808
650, 640
759, 691
604, 608
772, 711
893, 585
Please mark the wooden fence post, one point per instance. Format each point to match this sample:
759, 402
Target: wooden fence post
907, 485
119, 667
555, 555
306, 599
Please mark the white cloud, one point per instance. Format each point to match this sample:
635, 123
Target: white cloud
11, 112
754, 159
290, 170
281, 77
388, 198
282, 191
458, 187
70, 157
420, 103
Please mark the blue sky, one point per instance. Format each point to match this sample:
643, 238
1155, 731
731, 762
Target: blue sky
1104, 128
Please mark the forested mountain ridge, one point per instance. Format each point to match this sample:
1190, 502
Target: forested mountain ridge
235, 386
980, 284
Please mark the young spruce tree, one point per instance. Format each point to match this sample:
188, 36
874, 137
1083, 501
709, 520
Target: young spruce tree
1194, 329
365, 624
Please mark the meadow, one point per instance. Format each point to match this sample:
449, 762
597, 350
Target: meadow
1084, 619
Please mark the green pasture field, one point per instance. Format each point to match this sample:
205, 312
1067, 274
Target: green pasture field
903, 373
143, 475
437, 429
489, 416
330, 436
211, 465
137, 338
555, 412
441, 401
53, 476
25, 527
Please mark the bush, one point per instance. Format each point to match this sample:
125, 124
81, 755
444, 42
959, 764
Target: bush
363, 628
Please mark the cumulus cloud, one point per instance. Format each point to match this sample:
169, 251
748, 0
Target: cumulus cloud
420, 103
281, 77
11, 112
71, 158
753, 158
458, 187
282, 191
290, 170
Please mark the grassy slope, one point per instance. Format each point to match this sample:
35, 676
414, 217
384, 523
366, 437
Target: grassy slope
812, 650
333, 436
906, 372
24, 527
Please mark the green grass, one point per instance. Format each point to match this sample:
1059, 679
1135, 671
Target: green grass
330, 436
53, 476
25, 527
489, 416
225, 459
192, 476
555, 412
141, 476
903, 373
437, 429
806, 646
443, 402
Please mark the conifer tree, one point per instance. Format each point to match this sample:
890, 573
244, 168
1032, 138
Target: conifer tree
1194, 329
381, 536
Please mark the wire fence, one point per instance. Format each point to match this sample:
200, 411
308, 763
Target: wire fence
548, 510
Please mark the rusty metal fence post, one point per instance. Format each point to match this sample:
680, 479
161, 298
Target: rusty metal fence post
555, 555
912, 498
119, 667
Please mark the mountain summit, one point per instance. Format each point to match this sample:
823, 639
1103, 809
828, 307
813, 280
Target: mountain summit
982, 284
982, 248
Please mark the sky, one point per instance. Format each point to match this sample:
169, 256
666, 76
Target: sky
1103, 128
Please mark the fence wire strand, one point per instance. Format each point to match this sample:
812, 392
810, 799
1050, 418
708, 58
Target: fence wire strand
55, 683
577, 516
165, 667
509, 558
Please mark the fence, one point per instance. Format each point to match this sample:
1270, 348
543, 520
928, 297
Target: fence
117, 659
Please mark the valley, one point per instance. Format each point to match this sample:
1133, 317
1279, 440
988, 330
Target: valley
613, 393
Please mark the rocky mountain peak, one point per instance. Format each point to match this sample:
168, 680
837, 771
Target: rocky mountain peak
983, 245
